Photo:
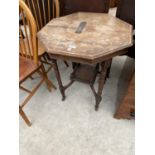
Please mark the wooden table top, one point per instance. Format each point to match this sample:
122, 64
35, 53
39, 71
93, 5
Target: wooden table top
102, 37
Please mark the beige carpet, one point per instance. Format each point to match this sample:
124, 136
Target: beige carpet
73, 127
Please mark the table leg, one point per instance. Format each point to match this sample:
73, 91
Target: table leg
109, 68
56, 69
104, 67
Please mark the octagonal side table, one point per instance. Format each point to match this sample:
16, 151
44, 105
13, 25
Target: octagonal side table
86, 38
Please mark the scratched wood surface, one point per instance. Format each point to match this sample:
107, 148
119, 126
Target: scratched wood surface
102, 35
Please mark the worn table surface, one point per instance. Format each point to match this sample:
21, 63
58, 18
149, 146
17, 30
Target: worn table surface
102, 37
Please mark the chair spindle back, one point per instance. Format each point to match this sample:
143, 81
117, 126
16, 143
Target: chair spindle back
27, 33
43, 11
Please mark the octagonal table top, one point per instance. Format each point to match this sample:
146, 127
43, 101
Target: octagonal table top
102, 37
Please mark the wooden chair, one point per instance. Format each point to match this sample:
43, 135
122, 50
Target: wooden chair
44, 11
28, 56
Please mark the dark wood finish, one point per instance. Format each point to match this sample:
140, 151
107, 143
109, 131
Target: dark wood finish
104, 67
113, 3
71, 6
126, 109
80, 47
76, 76
126, 11
88, 74
57, 73
88, 61
84, 73
108, 70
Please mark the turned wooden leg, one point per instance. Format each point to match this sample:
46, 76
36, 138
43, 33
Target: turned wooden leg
23, 115
57, 73
109, 68
104, 67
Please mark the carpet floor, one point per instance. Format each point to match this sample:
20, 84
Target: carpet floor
73, 127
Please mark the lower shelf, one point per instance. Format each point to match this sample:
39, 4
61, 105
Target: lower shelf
84, 73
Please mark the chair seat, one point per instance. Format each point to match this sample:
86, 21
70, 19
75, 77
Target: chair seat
26, 68
41, 49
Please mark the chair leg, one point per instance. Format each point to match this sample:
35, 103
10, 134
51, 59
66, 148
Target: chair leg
23, 115
48, 82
